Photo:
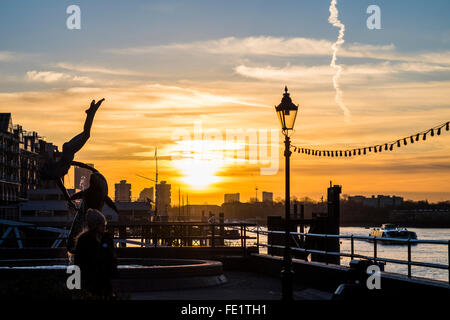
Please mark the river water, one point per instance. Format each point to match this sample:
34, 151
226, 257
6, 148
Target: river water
432, 253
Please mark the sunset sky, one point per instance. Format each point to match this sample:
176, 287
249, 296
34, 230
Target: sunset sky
165, 67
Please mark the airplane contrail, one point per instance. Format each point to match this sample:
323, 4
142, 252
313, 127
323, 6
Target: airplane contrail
334, 20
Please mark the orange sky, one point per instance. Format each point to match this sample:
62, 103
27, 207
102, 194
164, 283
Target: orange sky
165, 67
134, 119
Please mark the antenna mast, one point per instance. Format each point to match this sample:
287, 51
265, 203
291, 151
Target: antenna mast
187, 209
256, 189
156, 182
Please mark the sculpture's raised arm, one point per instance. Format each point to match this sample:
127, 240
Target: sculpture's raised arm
56, 169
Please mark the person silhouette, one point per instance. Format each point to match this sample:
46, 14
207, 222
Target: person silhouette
95, 256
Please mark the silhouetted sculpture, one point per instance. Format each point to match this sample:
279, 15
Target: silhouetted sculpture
93, 197
55, 170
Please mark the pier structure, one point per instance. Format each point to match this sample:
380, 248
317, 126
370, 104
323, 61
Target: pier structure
321, 223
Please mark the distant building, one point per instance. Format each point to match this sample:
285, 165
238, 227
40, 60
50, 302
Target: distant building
20, 154
29, 149
131, 211
163, 198
146, 193
196, 211
388, 201
46, 205
231, 197
82, 175
123, 191
267, 196
381, 201
47, 149
9, 169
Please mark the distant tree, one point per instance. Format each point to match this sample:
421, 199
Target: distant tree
307, 200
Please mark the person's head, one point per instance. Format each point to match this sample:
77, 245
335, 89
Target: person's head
96, 221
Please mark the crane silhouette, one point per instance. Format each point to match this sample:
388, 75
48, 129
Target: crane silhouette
155, 181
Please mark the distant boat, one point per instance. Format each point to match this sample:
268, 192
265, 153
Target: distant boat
389, 230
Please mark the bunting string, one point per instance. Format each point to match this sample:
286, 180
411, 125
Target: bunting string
387, 146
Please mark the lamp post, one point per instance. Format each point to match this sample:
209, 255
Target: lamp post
287, 112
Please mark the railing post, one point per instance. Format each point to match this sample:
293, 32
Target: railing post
375, 249
142, 236
183, 230
271, 245
326, 249
352, 246
448, 261
409, 257
189, 235
257, 238
242, 236
212, 236
245, 241
245, 236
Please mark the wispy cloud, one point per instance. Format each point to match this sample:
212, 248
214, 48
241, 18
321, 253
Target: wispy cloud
6, 56
96, 69
53, 77
288, 47
322, 72
437, 57
265, 45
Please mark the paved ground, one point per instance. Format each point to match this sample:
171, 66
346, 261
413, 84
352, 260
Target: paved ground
240, 286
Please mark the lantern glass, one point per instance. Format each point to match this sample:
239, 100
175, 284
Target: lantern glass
287, 118
287, 112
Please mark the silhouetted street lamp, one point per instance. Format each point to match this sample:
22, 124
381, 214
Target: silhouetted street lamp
287, 112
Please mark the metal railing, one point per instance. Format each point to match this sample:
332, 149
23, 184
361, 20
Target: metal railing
155, 234
183, 234
409, 242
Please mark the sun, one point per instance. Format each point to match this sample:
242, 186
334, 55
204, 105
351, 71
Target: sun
199, 174
198, 161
